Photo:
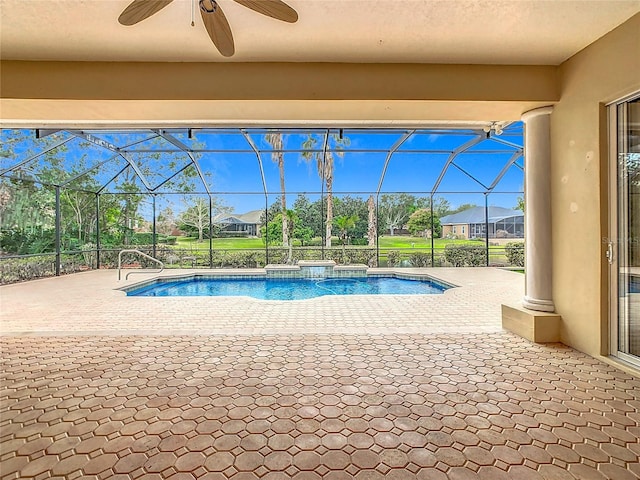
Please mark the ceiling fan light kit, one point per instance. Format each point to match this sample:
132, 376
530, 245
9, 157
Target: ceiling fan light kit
215, 22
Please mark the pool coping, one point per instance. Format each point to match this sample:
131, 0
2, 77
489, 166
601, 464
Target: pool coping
261, 274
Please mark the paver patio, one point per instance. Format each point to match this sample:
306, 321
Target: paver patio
98, 385
89, 302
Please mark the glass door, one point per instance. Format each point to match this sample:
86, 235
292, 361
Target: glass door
624, 243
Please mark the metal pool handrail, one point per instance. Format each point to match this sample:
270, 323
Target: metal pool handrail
136, 271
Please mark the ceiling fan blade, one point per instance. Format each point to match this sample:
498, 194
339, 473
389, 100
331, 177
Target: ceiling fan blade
139, 10
217, 27
272, 8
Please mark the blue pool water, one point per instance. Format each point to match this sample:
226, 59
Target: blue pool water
288, 289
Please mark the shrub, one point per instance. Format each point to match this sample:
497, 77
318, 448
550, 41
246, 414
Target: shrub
455, 255
109, 256
20, 269
306, 254
364, 256
334, 254
247, 259
167, 239
142, 238
280, 255
393, 258
32, 241
146, 238
420, 259
89, 254
515, 253
465, 255
73, 263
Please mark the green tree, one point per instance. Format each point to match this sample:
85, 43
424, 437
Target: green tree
129, 200
345, 223
353, 207
520, 204
394, 210
325, 166
275, 140
156, 168
196, 216
274, 209
441, 205
166, 220
81, 207
27, 217
289, 218
271, 231
29, 205
309, 214
420, 223
461, 208
119, 204
304, 234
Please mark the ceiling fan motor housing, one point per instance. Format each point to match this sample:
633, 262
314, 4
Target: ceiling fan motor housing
204, 8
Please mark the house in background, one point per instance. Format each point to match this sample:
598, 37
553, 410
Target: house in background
471, 223
239, 225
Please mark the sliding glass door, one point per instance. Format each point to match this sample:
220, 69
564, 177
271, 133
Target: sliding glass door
624, 246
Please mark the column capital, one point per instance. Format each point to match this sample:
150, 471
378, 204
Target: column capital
536, 112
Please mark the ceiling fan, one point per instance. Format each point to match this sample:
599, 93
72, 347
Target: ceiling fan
212, 15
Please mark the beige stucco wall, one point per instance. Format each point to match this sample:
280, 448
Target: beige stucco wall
603, 72
448, 229
85, 94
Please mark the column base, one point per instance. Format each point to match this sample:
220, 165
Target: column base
538, 305
539, 327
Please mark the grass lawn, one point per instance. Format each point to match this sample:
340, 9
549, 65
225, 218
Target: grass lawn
389, 242
190, 243
386, 243
404, 244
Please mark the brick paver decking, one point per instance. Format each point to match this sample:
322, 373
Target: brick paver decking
98, 385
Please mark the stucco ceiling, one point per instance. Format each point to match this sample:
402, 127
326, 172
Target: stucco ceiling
524, 32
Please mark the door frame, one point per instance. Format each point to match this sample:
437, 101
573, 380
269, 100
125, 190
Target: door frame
613, 242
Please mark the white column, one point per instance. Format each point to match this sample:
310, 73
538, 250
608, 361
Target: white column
537, 190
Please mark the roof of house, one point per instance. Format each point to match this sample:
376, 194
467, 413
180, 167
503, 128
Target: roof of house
252, 217
476, 215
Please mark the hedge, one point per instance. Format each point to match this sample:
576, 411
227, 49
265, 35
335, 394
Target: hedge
420, 259
465, 255
14, 270
393, 258
515, 253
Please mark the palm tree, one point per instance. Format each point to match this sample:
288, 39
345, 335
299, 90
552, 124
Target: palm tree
372, 226
324, 165
344, 224
275, 140
289, 218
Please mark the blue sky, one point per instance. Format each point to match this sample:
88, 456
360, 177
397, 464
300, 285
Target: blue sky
233, 172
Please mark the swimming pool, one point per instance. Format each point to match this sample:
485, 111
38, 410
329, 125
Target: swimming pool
287, 289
